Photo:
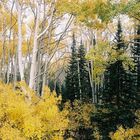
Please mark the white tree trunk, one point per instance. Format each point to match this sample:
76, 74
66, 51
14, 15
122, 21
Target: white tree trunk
20, 64
35, 49
48, 31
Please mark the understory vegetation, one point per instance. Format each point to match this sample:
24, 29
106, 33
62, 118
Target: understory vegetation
69, 69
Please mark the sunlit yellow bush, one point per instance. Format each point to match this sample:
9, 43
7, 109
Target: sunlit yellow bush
128, 134
23, 115
79, 117
79, 114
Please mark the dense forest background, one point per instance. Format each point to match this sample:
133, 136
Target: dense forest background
70, 69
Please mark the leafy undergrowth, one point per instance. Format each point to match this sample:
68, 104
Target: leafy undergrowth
23, 115
130, 133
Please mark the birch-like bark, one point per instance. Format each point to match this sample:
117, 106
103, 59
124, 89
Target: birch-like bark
20, 64
90, 66
35, 49
36, 37
8, 68
39, 72
49, 37
3, 68
3, 59
10, 61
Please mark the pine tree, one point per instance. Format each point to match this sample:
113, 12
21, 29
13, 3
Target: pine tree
72, 84
119, 97
84, 81
115, 75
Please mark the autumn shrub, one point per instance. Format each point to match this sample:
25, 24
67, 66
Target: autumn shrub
80, 125
23, 115
130, 133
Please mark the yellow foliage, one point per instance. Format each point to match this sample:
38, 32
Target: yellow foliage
10, 133
79, 117
37, 118
128, 134
87, 12
79, 114
103, 55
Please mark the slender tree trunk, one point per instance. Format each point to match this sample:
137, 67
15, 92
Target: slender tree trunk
15, 69
91, 80
3, 59
8, 68
12, 68
79, 81
20, 64
35, 49
3, 69
44, 75
39, 72
49, 28
10, 61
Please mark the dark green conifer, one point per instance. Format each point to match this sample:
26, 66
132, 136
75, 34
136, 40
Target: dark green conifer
119, 97
72, 84
84, 82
